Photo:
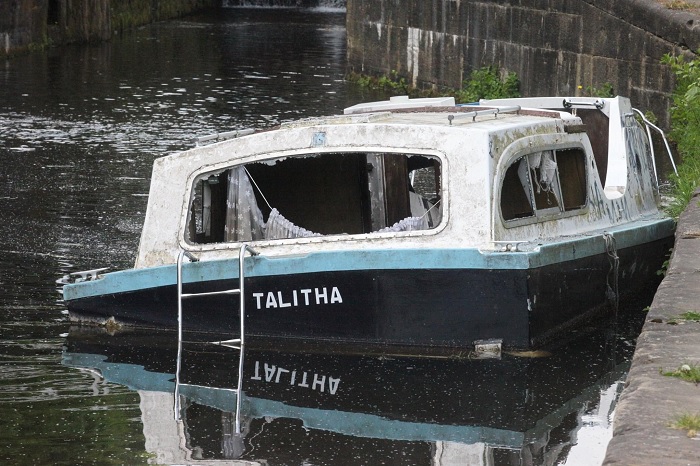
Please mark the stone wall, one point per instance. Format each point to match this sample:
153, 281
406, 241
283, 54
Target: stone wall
22, 23
71, 21
556, 47
286, 3
126, 14
30, 24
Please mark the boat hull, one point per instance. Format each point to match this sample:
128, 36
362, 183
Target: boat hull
414, 307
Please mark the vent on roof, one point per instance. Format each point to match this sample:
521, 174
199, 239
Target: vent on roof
400, 102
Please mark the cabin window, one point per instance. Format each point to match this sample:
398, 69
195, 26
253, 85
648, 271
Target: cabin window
316, 195
544, 183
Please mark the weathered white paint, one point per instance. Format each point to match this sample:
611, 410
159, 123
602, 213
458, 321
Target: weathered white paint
379, 30
474, 156
413, 53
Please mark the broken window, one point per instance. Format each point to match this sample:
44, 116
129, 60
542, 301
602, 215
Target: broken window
316, 195
544, 183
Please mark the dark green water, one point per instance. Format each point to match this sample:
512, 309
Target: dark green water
79, 130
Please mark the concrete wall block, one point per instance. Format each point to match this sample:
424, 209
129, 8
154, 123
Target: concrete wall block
22, 23
25, 23
453, 17
480, 51
611, 37
169, 9
397, 57
364, 49
673, 26
541, 72
547, 29
397, 13
86, 21
569, 7
384, 49
452, 61
441, 54
483, 21
567, 68
366, 11
422, 14
129, 13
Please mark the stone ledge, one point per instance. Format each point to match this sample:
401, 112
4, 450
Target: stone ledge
681, 27
650, 401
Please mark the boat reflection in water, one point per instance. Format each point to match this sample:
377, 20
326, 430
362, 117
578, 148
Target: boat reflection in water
342, 408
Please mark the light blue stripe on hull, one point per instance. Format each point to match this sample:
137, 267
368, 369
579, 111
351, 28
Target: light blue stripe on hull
384, 259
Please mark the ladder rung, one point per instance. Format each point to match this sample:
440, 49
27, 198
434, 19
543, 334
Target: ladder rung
230, 343
193, 385
236, 343
211, 293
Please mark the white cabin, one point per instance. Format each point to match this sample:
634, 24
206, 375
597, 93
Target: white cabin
434, 175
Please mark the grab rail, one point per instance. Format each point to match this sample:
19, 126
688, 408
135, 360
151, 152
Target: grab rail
570, 103
648, 124
489, 111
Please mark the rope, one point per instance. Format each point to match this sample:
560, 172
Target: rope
257, 187
428, 211
612, 291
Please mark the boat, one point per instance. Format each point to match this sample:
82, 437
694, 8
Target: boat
322, 408
408, 222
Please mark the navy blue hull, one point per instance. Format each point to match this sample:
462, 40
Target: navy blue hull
426, 307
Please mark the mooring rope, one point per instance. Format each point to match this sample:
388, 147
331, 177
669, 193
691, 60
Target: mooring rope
612, 291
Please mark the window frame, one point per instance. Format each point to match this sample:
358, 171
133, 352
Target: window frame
552, 213
205, 171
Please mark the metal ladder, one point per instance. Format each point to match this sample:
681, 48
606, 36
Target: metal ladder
237, 343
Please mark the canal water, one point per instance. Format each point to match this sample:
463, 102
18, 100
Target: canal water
80, 127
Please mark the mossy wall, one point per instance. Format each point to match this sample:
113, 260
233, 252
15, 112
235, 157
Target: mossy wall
80, 21
22, 23
30, 24
555, 48
130, 13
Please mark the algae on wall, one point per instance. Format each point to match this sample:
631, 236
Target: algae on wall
131, 13
80, 21
22, 23
555, 48
26, 25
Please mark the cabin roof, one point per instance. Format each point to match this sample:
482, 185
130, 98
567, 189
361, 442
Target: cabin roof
466, 117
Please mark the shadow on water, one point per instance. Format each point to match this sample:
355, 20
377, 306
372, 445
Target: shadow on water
539, 408
79, 130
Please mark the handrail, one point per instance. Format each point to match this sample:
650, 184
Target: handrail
230, 343
489, 111
649, 124
216, 137
599, 104
178, 366
241, 306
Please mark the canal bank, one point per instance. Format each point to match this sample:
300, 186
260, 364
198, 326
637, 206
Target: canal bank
651, 402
